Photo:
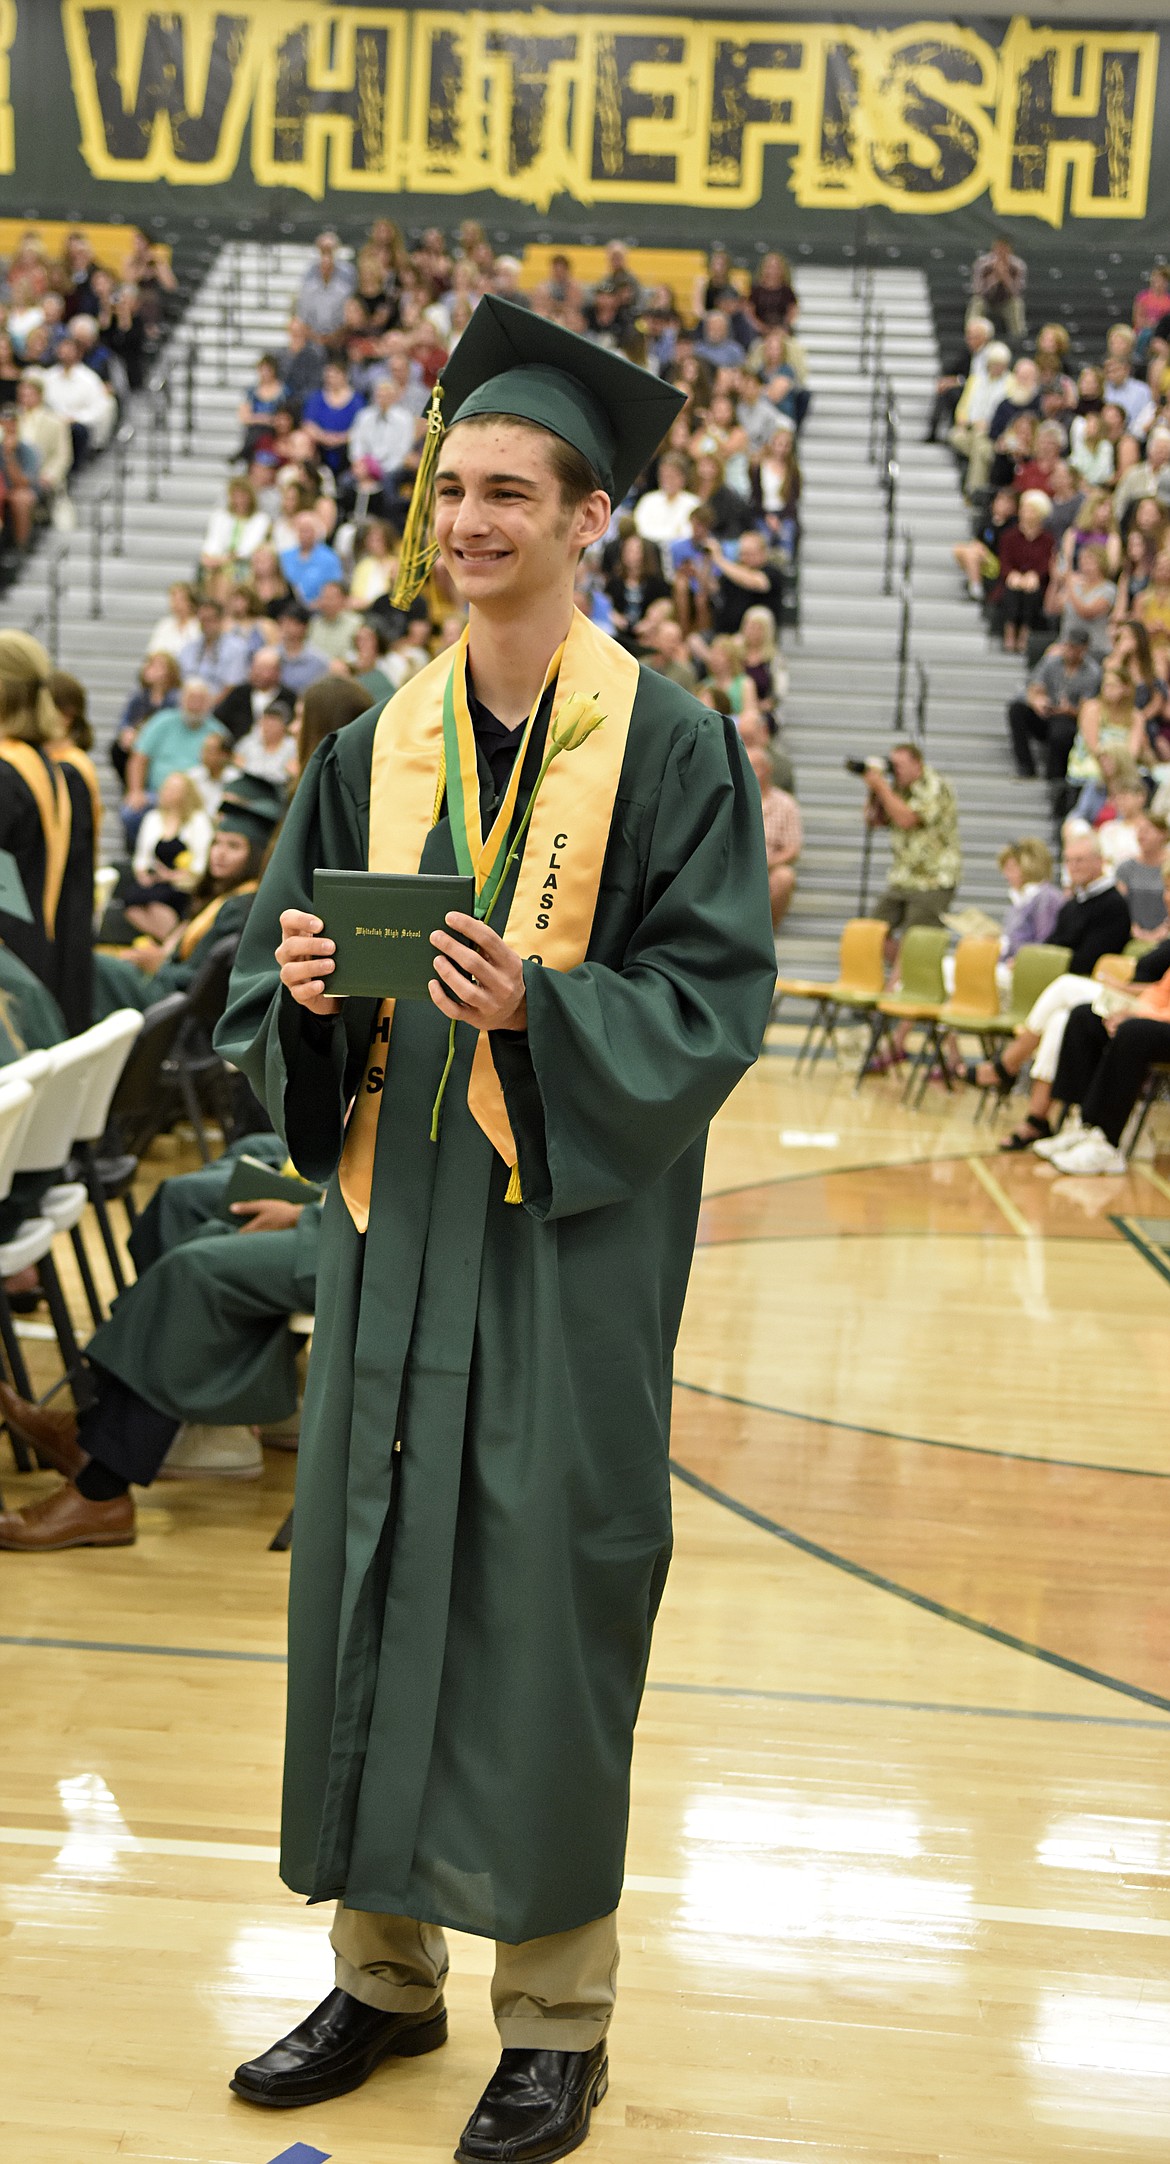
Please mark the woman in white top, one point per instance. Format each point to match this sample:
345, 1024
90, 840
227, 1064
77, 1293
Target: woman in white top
1090, 451
664, 514
375, 564
170, 858
235, 533
269, 749
175, 628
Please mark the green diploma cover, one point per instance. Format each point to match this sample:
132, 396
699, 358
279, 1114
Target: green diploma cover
381, 925
254, 1181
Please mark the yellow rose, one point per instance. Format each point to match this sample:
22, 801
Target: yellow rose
575, 719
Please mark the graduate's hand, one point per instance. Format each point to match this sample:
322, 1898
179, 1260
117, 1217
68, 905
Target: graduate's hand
305, 959
271, 1216
471, 949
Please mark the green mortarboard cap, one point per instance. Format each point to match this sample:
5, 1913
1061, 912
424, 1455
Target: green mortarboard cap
511, 361
252, 807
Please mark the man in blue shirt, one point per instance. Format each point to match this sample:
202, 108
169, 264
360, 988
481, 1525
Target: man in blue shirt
312, 563
171, 742
1130, 393
299, 665
325, 289
216, 653
717, 346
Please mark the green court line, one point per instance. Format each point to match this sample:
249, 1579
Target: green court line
927, 1442
850, 1700
861, 1571
1155, 1256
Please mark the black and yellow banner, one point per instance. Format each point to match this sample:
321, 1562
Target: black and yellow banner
544, 115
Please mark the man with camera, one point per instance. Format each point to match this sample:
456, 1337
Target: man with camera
729, 586
919, 808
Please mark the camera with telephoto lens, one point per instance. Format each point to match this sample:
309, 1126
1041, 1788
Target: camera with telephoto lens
861, 767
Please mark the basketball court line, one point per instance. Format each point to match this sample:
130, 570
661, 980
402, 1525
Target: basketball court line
1041, 1919
926, 1442
847, 1701
938, 1608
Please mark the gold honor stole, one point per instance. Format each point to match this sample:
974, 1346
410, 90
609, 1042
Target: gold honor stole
50, 793
70, 755
198, 927
551, 916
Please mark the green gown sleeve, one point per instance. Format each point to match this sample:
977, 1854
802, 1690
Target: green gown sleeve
304, 1068
622, 1069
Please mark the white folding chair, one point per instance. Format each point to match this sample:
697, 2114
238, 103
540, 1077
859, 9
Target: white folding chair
109, 1043
59, 1100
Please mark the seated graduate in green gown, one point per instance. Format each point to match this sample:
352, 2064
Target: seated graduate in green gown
143, 974
189, 1200
483, 1505
202, 1337
30, 1019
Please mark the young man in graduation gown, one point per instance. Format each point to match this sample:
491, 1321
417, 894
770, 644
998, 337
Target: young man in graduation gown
483, 1510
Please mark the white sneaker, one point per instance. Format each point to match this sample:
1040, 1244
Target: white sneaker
203, 1452
1054, 1146
1091, 1154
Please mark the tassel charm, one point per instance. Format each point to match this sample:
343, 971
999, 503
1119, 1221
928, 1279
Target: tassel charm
418, 549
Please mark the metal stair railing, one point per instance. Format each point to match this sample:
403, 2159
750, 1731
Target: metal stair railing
905, 622
46, 624
107, 516
922, 703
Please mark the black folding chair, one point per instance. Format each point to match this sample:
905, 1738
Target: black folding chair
194, 1062
144, 1104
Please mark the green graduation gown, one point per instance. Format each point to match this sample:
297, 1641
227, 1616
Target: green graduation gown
36, 1019
470, 1614
203, 1334
117, 983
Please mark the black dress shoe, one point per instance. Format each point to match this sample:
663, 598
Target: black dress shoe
535, 2107
334, 2050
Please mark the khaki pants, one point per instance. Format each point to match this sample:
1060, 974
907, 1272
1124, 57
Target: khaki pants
552, 1994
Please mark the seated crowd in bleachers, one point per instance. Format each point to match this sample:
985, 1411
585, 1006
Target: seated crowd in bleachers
286, 630
1068, 477
297, 569
76, 338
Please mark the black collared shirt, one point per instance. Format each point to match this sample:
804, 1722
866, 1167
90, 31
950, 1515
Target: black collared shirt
497, 746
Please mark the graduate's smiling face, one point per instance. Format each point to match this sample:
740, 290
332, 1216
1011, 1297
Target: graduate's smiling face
504, 530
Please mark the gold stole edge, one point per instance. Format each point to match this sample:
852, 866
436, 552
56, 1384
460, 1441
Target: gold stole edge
577, 799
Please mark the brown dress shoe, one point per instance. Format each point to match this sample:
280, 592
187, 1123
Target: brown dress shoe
67, 1519
52, 1434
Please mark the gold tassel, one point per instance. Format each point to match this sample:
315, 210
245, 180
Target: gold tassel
514, 1194
418, 549
440, 789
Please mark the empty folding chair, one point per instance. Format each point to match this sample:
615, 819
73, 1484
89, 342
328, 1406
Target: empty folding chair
859, 982
974, 1001
921, 991
93, 1061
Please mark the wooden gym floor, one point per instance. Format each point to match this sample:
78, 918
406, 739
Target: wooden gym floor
899, 1870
